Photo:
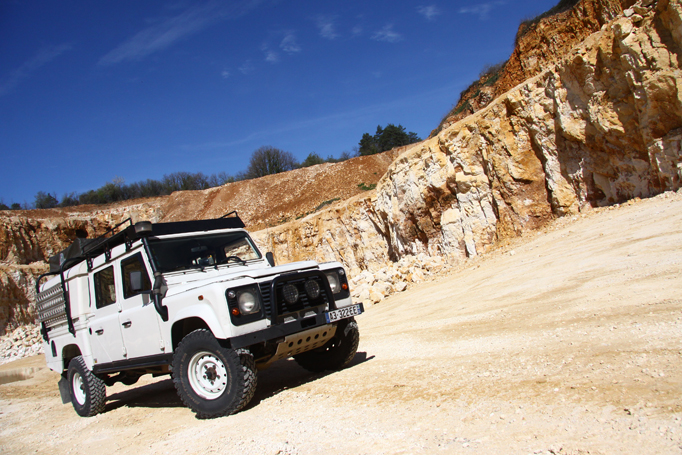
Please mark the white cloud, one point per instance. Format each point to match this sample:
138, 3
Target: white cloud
225, 74
482, 10
270, 55
387, 34
168, 31
247, 67
327, 27
429, 12
45, 56
289, 43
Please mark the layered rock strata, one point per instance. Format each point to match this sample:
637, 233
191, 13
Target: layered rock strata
539, 45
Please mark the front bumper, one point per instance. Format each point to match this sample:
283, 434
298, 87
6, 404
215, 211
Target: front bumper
280, 331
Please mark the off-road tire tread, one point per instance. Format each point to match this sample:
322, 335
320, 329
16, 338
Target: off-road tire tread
210, 343
250, 377
96, 393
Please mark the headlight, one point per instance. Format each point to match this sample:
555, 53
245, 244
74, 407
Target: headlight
248, 301
334, 282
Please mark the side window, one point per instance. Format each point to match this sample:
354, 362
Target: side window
135, 276
105, 288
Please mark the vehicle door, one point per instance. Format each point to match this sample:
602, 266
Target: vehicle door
140, 323
106, 340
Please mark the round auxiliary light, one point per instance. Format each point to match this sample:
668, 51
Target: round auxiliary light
312, 289
290, 293
143, 228
231, 294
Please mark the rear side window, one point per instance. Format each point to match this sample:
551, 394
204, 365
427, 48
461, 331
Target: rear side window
105, 287
135, 276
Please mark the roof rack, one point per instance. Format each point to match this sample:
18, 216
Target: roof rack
126, 233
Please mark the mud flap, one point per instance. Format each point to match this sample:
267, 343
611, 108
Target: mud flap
64, 390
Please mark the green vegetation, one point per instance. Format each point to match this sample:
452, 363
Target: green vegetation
491, 73
364, 187
45, 201
385, 139
313, 158
268, 160
264, 161
325, 203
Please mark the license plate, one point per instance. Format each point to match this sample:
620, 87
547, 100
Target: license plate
343, 313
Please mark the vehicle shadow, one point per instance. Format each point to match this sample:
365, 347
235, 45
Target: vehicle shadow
287, 374
160, 394
282, 375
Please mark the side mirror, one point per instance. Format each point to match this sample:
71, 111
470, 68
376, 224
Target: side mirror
159, 292
271, 258
160, 287
135, 281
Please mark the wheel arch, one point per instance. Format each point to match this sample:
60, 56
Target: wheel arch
196, 317
68, 353
186, 326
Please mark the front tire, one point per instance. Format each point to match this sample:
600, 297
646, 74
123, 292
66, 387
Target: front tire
250, 373
336, 355
208, 377
88, 392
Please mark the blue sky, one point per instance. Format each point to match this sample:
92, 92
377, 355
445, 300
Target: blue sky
95, 90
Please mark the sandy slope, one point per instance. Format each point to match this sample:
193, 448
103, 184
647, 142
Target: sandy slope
566, 342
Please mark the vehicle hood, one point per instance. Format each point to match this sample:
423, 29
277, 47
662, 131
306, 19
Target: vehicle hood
179, 282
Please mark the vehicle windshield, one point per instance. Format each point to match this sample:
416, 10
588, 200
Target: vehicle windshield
202, 251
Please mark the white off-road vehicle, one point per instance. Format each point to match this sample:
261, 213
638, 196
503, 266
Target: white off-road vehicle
194, 299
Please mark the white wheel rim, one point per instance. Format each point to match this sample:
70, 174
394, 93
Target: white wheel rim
78, 389
207, 375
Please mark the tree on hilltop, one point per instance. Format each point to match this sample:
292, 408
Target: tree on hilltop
385, 139
45, 200
312, 159
269, 160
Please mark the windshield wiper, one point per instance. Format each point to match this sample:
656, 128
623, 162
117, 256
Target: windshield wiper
235, 258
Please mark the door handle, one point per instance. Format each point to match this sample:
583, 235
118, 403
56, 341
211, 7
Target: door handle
99, 331
127, 324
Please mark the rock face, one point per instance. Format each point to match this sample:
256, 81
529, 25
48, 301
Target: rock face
539, 45
602, 125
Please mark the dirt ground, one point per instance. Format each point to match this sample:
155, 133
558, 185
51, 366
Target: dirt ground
568, 341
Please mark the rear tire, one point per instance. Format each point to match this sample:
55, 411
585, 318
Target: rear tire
208, 377
88, 392
336, 355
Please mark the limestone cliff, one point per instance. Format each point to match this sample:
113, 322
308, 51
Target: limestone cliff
539, 45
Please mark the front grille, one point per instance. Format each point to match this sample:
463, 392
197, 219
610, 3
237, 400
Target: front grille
265, 295
281, 306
